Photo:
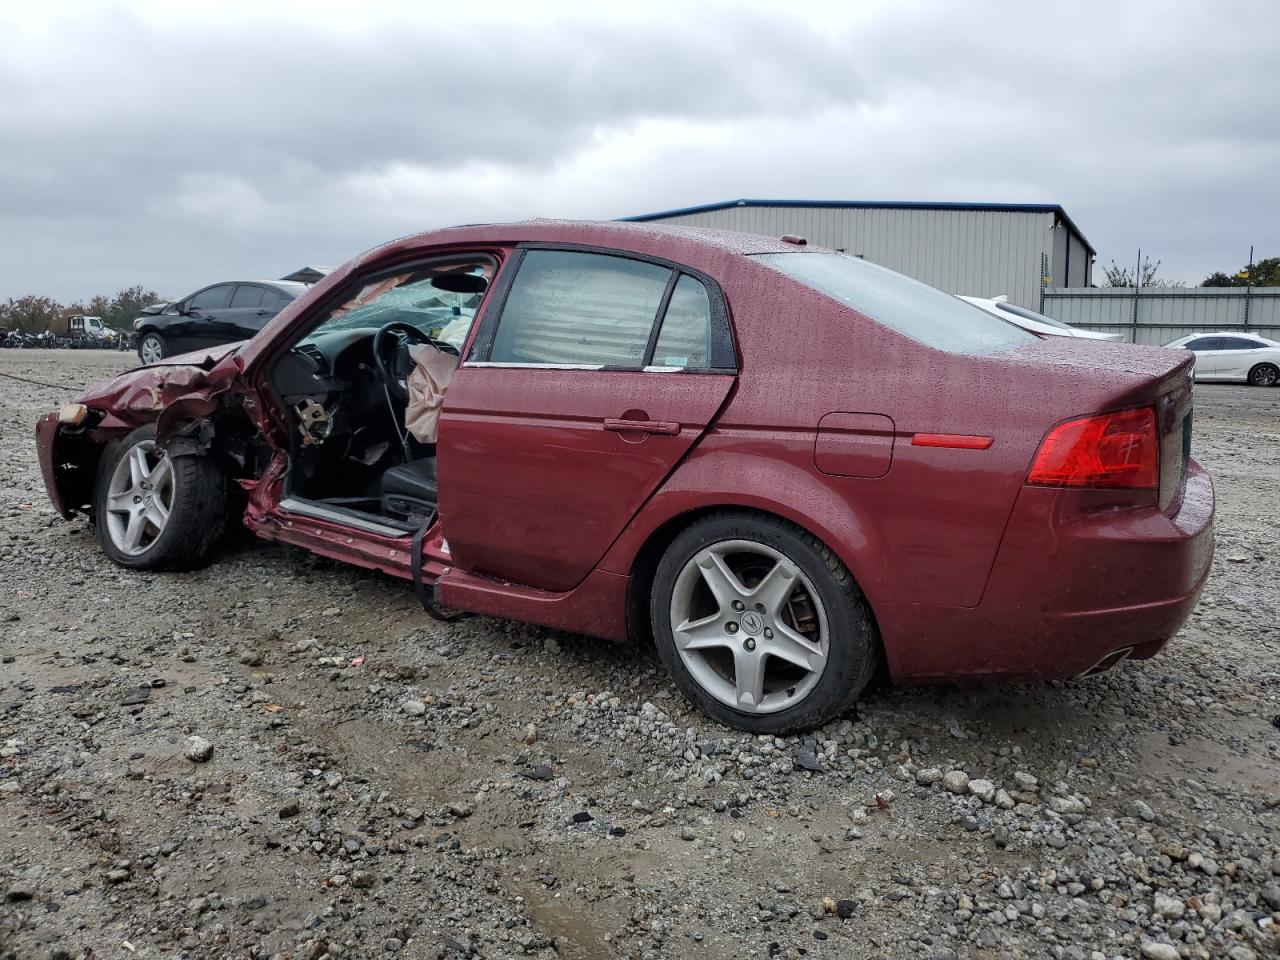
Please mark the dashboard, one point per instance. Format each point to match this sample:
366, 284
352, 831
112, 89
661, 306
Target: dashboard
325, 363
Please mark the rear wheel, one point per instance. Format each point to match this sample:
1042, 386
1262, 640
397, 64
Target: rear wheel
156, 512
761, 625
151, 348
1264, 375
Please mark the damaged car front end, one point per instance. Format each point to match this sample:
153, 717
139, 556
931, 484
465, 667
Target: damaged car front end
177, 396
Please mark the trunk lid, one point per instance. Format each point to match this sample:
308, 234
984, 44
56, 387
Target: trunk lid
1082, 377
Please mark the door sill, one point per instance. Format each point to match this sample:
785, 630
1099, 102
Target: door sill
357, 519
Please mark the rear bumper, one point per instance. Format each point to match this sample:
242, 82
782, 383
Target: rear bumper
1068, 588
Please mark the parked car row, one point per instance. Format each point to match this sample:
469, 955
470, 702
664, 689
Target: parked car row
76, 332
1228, 356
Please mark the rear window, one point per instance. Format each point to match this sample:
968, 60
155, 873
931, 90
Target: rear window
1026, 314
914, 309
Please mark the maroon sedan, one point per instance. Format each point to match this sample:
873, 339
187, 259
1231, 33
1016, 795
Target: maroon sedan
784, 464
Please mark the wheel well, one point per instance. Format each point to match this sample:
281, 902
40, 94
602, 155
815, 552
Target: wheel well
645, 565
1264, 363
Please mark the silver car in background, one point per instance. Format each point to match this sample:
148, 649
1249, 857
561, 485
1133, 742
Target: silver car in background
1035, 322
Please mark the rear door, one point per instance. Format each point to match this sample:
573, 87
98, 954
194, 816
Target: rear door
591, 375
1236, 357
244, 315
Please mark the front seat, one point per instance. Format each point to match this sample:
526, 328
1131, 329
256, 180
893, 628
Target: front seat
409, 490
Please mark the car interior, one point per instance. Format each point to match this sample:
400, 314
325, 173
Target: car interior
346, 385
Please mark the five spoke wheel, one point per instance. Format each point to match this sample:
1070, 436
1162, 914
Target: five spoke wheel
139, 498
749, 626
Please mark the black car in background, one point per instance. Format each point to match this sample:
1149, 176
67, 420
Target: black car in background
218, 314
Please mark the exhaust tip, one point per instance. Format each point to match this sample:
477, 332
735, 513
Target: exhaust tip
1109, 662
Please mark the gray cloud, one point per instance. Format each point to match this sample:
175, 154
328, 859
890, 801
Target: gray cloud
173, 152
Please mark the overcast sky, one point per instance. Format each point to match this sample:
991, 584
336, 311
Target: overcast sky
174, 144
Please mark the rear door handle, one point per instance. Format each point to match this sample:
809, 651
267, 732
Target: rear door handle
663, 427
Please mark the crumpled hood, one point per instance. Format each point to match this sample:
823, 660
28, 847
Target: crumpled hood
137, 396
206, 358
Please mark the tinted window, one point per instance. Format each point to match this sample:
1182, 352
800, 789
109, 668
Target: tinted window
247, 296
685, 340
1203, 343
212, 299
912, 308
1239, 343
579, 308
275, 300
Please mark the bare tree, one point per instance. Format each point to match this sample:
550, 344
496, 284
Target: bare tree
1118, 276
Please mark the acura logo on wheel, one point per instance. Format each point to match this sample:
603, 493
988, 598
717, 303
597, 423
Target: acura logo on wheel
752, 623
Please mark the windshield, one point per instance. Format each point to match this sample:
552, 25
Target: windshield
914, 309
440, 301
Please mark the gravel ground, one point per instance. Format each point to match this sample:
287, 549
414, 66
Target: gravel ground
366, 782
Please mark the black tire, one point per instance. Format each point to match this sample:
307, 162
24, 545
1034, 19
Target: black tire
151, 338
197, 515
853, 646
1264, 375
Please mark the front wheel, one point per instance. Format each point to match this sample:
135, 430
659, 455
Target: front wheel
156, 512
151, 348
1264, 375
760, 624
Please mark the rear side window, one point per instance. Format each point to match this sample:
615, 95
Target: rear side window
1204, 343
247, 296
579, 308
685, 339
212, 299
275, 300
914, 309
1239, 343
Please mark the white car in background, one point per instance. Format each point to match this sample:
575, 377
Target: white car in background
1233, 357
1035, 322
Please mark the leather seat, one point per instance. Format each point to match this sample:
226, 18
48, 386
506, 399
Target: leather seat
409, 490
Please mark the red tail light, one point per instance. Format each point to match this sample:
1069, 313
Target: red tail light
1119, 449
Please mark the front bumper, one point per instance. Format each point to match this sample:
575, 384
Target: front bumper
46, 452
1067, 589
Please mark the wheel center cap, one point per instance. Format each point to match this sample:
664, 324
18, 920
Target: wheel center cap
752, 623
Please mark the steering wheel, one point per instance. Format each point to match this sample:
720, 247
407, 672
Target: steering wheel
391, 354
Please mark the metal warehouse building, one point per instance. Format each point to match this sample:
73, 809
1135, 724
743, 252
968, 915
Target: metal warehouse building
978, 249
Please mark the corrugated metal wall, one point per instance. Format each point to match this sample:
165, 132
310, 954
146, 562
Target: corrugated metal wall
981, 253
1164, 314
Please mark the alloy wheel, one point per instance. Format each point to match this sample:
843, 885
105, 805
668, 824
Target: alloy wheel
139, 498
749, 626
1265, 376
149, 351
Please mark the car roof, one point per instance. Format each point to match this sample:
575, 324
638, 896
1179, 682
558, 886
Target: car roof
655, 238
291, 287
1228, 333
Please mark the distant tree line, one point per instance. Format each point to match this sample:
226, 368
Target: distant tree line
1260, 273
35, 314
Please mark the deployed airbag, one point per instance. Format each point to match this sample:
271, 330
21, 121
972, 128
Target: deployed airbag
428, 380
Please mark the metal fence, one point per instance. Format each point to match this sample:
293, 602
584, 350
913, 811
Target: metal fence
1156, 315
